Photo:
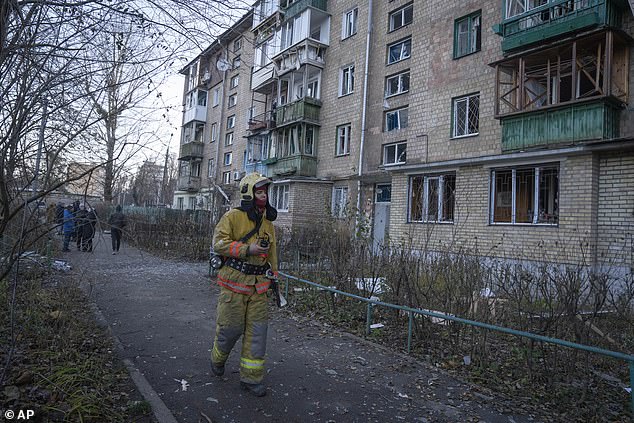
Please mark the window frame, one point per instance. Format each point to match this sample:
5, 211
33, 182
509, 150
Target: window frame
228, 139
538, 217
400, 83
402, 11
237, 44
349, 28
280, 197
226, 177
227, 159
210, 168
454, 116
338, 210
216, 97
234, 81
232, 100
346, 80
443, 181
231, 122
470, 41
214, 132
236, 62
347, 128
397, 156
402, 42
397, 112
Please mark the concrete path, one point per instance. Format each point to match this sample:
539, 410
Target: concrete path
162, 313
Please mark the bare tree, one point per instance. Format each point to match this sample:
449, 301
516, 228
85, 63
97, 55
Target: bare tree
80, 80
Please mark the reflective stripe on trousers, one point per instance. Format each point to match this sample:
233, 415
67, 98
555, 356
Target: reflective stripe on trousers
242, 315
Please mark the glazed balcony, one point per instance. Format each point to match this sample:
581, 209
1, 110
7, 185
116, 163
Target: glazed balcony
196, 113
191, 150
298, 6
304, 110
189, 183
298, 165
262, 78
557, 18
594, 120
263, 10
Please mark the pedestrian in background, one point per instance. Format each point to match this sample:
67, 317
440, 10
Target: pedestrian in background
89, 229
246, 237
68, 226
117, 222
80, 223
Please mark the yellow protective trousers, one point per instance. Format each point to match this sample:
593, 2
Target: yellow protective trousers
243, 315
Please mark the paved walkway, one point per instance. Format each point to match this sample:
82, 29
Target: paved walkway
162, 312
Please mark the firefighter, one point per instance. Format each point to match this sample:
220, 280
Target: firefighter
245, 237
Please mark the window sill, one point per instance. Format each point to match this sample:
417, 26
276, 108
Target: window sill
429, 222
548, 225
459, 137
396, 94
391, 31
397, 61
342, 155
465, 55
346, 95
388, 165
347, 37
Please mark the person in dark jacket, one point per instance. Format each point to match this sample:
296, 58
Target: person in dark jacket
117, 222
80, 223
88, 232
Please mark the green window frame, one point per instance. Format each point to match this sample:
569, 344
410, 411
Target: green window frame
467, 35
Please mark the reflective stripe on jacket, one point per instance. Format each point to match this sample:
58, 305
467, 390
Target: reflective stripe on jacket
234, 225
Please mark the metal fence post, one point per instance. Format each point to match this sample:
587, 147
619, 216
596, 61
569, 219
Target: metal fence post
409, 331
632, 386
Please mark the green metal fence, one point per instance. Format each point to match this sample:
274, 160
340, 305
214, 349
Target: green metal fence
413, 311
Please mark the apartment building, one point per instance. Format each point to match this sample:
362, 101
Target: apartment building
503, 127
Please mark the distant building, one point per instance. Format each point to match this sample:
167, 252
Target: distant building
89, 182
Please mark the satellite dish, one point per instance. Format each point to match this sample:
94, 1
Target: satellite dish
223, 65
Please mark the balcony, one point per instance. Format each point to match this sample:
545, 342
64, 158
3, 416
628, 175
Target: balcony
571, 124
197, 113
258, 166
262, 11
307, 52
304, 110
299, 5
299, 165
262, 78
262, 122
191, 150
189, 183
557, 18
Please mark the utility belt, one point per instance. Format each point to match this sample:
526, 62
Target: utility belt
246, 268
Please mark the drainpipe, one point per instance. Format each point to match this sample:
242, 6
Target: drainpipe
364, 109
220, 126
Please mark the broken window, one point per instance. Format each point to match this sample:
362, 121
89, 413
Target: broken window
567, 73
432, 198
528, 195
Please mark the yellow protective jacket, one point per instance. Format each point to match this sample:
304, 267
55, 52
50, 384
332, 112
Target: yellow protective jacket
234, 225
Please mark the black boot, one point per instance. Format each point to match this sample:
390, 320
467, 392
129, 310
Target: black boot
217, 370
257, 389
